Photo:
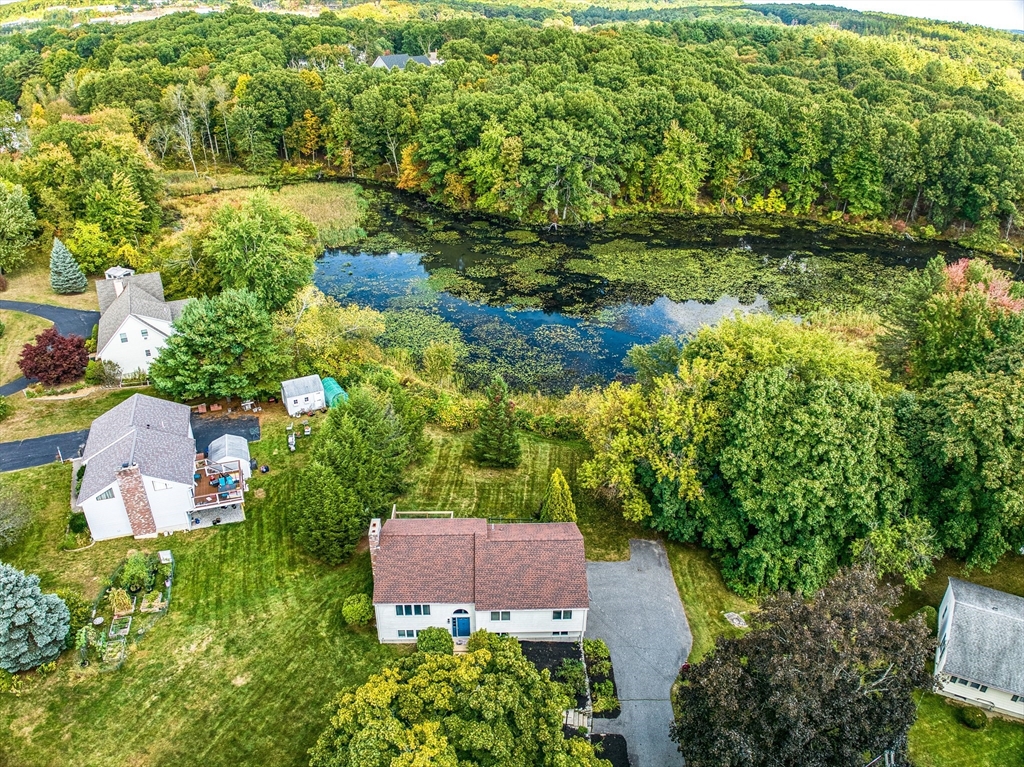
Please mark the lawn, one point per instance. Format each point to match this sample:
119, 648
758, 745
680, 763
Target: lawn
1007, 575
20, 329
252, 648
33, 284
938, 739
55, 415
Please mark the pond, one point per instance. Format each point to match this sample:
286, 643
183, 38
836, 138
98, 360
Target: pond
551, 310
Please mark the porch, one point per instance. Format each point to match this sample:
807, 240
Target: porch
217, 484
198, 519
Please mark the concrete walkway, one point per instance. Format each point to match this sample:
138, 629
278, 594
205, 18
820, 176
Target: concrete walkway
635, 608
68, 321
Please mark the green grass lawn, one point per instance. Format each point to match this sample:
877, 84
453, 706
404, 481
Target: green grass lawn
238, 672
46, 415
1007, 575
938, 739
19, 329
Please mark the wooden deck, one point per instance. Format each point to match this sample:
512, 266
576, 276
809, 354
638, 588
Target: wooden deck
209, 492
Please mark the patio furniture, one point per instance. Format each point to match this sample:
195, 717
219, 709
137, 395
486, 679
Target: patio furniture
247, 405
214, 408
202, 408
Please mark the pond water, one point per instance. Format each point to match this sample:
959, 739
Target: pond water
550, 310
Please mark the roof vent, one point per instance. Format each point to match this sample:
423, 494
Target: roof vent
124, 465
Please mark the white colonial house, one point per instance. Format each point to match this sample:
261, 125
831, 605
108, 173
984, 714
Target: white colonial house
303, 395
135, 320
980, 656
526, 580
141, 475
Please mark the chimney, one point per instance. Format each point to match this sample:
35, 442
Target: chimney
118, 287
374, 538
432, 57
136, 501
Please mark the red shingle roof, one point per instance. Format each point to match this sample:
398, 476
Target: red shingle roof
534, 566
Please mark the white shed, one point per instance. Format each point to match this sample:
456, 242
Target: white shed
118, 272
230, 447
303, 395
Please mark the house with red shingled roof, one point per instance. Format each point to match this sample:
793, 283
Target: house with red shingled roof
527, 580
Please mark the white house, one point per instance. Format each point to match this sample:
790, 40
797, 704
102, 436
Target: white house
303, 395
135, 321
980, 656
392, 61
525, 580
142, 476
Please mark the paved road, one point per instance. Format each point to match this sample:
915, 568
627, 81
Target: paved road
635, 608
77, 321
40, 450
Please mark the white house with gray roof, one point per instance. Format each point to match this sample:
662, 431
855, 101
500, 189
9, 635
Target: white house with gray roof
303, 395
135, 320
980, 656
142, 476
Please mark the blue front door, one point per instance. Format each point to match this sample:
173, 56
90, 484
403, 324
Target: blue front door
460, 627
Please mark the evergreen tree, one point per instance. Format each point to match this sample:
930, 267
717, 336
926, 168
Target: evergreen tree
327, 518
17, 223
66, 276
33, 625
558, 505
496, 442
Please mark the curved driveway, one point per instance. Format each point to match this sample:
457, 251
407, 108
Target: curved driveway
635, 608
67, 321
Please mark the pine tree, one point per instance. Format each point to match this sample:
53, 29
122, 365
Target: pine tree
65, 274
33, 625
558, 505
496, 442
327, 519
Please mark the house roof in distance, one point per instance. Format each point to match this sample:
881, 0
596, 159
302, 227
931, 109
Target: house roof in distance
400, 60
107, 291
528, 566
297, 387
150, 432
986, 637
142, 296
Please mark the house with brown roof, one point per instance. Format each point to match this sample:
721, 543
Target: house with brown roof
526, 580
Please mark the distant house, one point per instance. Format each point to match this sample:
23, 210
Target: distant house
135, 320
142, 476
303, 395
401, 60
526, 580
980, 657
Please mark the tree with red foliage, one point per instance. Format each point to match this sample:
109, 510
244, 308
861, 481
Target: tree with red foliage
54, 359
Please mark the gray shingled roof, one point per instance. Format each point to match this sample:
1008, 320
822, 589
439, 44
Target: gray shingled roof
135, 301
150, 282
298, 387
400, 60
151, 432
986, 637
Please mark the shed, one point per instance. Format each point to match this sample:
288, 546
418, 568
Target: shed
118, 272
333, 392
231, 447
303, 395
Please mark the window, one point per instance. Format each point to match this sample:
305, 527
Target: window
145, 333
407, 633
1017, 698
559, 633
412, 609
306, 399
961, 681
984, 688
975, 686
503, 615
149, 353
161, 485
106, 495
561, 615
124, 338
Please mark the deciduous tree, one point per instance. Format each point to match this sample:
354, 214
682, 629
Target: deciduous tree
54, 359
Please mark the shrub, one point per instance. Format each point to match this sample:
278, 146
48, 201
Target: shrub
93, 371
54, 359
972, 717
79, 610
119, 601
78, 523
573, 674
479, 640
435, 639
136, 572
595, 649
5, 407
931, 617
357, 610
601, 668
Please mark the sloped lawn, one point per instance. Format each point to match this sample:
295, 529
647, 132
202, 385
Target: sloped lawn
938, 739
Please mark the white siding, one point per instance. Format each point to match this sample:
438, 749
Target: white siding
992, 699
107, 518
535, 624
388, 623
305, 403
131, 355
170, 505
945, 621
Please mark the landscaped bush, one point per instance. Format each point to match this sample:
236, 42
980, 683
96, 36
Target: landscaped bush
79, 610
931, 617
54, 359
595, 649
5, 407
357, 610
573, 674
435, 639
479, 640
604, 696
601, 668
136, 572
78, 523
972, 717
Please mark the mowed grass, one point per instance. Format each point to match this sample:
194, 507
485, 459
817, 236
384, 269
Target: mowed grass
19, 329
239, 671
32, 283
1007, 575
938, 739
54, 415
450, 480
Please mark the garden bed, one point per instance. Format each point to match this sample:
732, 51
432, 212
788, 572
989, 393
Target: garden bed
603, 691
613, 748
550, 656
120, 626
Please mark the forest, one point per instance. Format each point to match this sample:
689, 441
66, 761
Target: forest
905, 123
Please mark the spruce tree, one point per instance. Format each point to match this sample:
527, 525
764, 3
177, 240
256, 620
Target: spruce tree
66, 276
327, 519
496, 442
558, 505
33, 625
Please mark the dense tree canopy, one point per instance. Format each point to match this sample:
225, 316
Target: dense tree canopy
822, 684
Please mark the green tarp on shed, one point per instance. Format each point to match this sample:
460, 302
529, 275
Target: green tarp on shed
333, 392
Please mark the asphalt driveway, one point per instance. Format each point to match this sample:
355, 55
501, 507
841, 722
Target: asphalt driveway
67, 321
635, 608
38, 451
206, 427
